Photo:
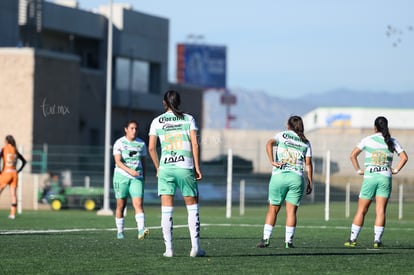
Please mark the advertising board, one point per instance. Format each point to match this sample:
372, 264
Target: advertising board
201, 65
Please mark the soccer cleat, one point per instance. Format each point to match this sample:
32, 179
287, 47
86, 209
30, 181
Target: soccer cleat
289, 245
168, 253
350, 243
197, 252
12, 217
143, 233
120, 235
378, 244
263, 243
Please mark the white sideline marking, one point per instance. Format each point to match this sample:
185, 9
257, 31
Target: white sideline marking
48, 231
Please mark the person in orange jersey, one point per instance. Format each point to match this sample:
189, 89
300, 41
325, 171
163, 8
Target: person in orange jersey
9, 173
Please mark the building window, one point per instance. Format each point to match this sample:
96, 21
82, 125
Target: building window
140, 76
155, 78
132, 75
122, 68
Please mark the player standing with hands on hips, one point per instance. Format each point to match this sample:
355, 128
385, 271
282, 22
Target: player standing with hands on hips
287, 183
379, 151
178, 167
129, 154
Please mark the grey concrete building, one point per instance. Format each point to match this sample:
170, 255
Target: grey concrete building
53, 59
53, 62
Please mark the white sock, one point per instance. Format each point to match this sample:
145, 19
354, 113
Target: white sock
140, 219
119, 224
194, 225
167, 225
355, 229
378, 231
267, 231
289, 233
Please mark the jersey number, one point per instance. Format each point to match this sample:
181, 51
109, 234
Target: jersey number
174, 142
378, 158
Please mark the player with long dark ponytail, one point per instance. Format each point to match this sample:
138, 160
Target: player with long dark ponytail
172, 101
178, 167
382, 126
287, 182
377, 183
295, 123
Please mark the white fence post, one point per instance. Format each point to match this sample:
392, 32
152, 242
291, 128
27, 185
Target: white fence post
400, 201
35, 192
87, 180
347, 199
242, 196
229, 182
20, 189
20, 194
327, 184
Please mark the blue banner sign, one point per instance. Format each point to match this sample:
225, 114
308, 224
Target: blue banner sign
201, 65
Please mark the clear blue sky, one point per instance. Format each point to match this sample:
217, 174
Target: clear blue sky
292, 48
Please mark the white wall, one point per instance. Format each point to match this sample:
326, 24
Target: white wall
334, 117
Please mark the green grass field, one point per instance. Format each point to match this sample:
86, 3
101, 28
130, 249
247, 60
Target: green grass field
80, 242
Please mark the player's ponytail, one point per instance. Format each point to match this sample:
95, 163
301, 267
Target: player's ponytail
10, 140
381, 123
172, 101
295, 123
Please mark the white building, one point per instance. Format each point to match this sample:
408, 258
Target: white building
357, 117
339, 129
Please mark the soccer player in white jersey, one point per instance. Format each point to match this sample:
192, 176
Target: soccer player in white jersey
129, 153
293, 154
377, 183
178, 167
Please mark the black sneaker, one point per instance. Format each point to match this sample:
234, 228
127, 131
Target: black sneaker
263, 243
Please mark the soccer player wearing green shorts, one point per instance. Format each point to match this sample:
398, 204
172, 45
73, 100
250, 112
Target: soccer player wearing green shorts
129, 153
178, 167
287, 183
379, 151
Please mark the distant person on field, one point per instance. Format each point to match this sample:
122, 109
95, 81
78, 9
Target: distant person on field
377, 183
129, 153
287, 183
51, 186
9, 175
178, 167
